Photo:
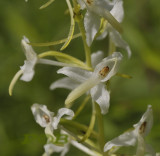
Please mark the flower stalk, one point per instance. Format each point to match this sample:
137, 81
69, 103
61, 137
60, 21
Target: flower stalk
101, 136
91, 125
79, 20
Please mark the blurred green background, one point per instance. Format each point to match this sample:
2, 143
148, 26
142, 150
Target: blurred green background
19, 134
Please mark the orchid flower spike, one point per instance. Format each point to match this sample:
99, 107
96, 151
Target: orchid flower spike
46, 119
141, 129
81, 81
96, 10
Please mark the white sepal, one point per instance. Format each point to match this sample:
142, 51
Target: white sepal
66, 82
101, 95
61, 112
30, 62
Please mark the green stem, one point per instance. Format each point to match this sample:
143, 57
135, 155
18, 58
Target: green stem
53, 42
81, 106
86, 47
90, 146
100, 129
79, 20
79, 128
91, 125
112, 47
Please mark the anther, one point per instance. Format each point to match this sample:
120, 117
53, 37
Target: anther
142, 127
104, 71
46, 117
89, 2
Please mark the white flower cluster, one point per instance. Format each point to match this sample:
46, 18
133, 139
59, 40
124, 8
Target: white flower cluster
102, 18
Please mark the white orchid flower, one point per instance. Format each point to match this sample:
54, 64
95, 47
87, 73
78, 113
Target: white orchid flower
97, 9
115, 36
81, 81
141, 129
46, 119
27, 70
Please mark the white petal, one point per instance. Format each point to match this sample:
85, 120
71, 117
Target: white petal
100, 94
61, 112
28, 50
29, 63
28, 70
64, 83
146, 121
41, 114
92, 24
81, 89
118, 41
118, 11
51, 148
126, 139
105, 4
97, 58
74, 73
112, 62
103, 35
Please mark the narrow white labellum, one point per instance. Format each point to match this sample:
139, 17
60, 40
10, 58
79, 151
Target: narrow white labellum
81, 89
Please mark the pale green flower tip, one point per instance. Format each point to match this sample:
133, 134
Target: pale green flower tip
10, 89
10, 92
13, 81
68, 102
46, 4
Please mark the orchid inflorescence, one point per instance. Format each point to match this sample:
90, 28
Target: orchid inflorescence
89, 78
